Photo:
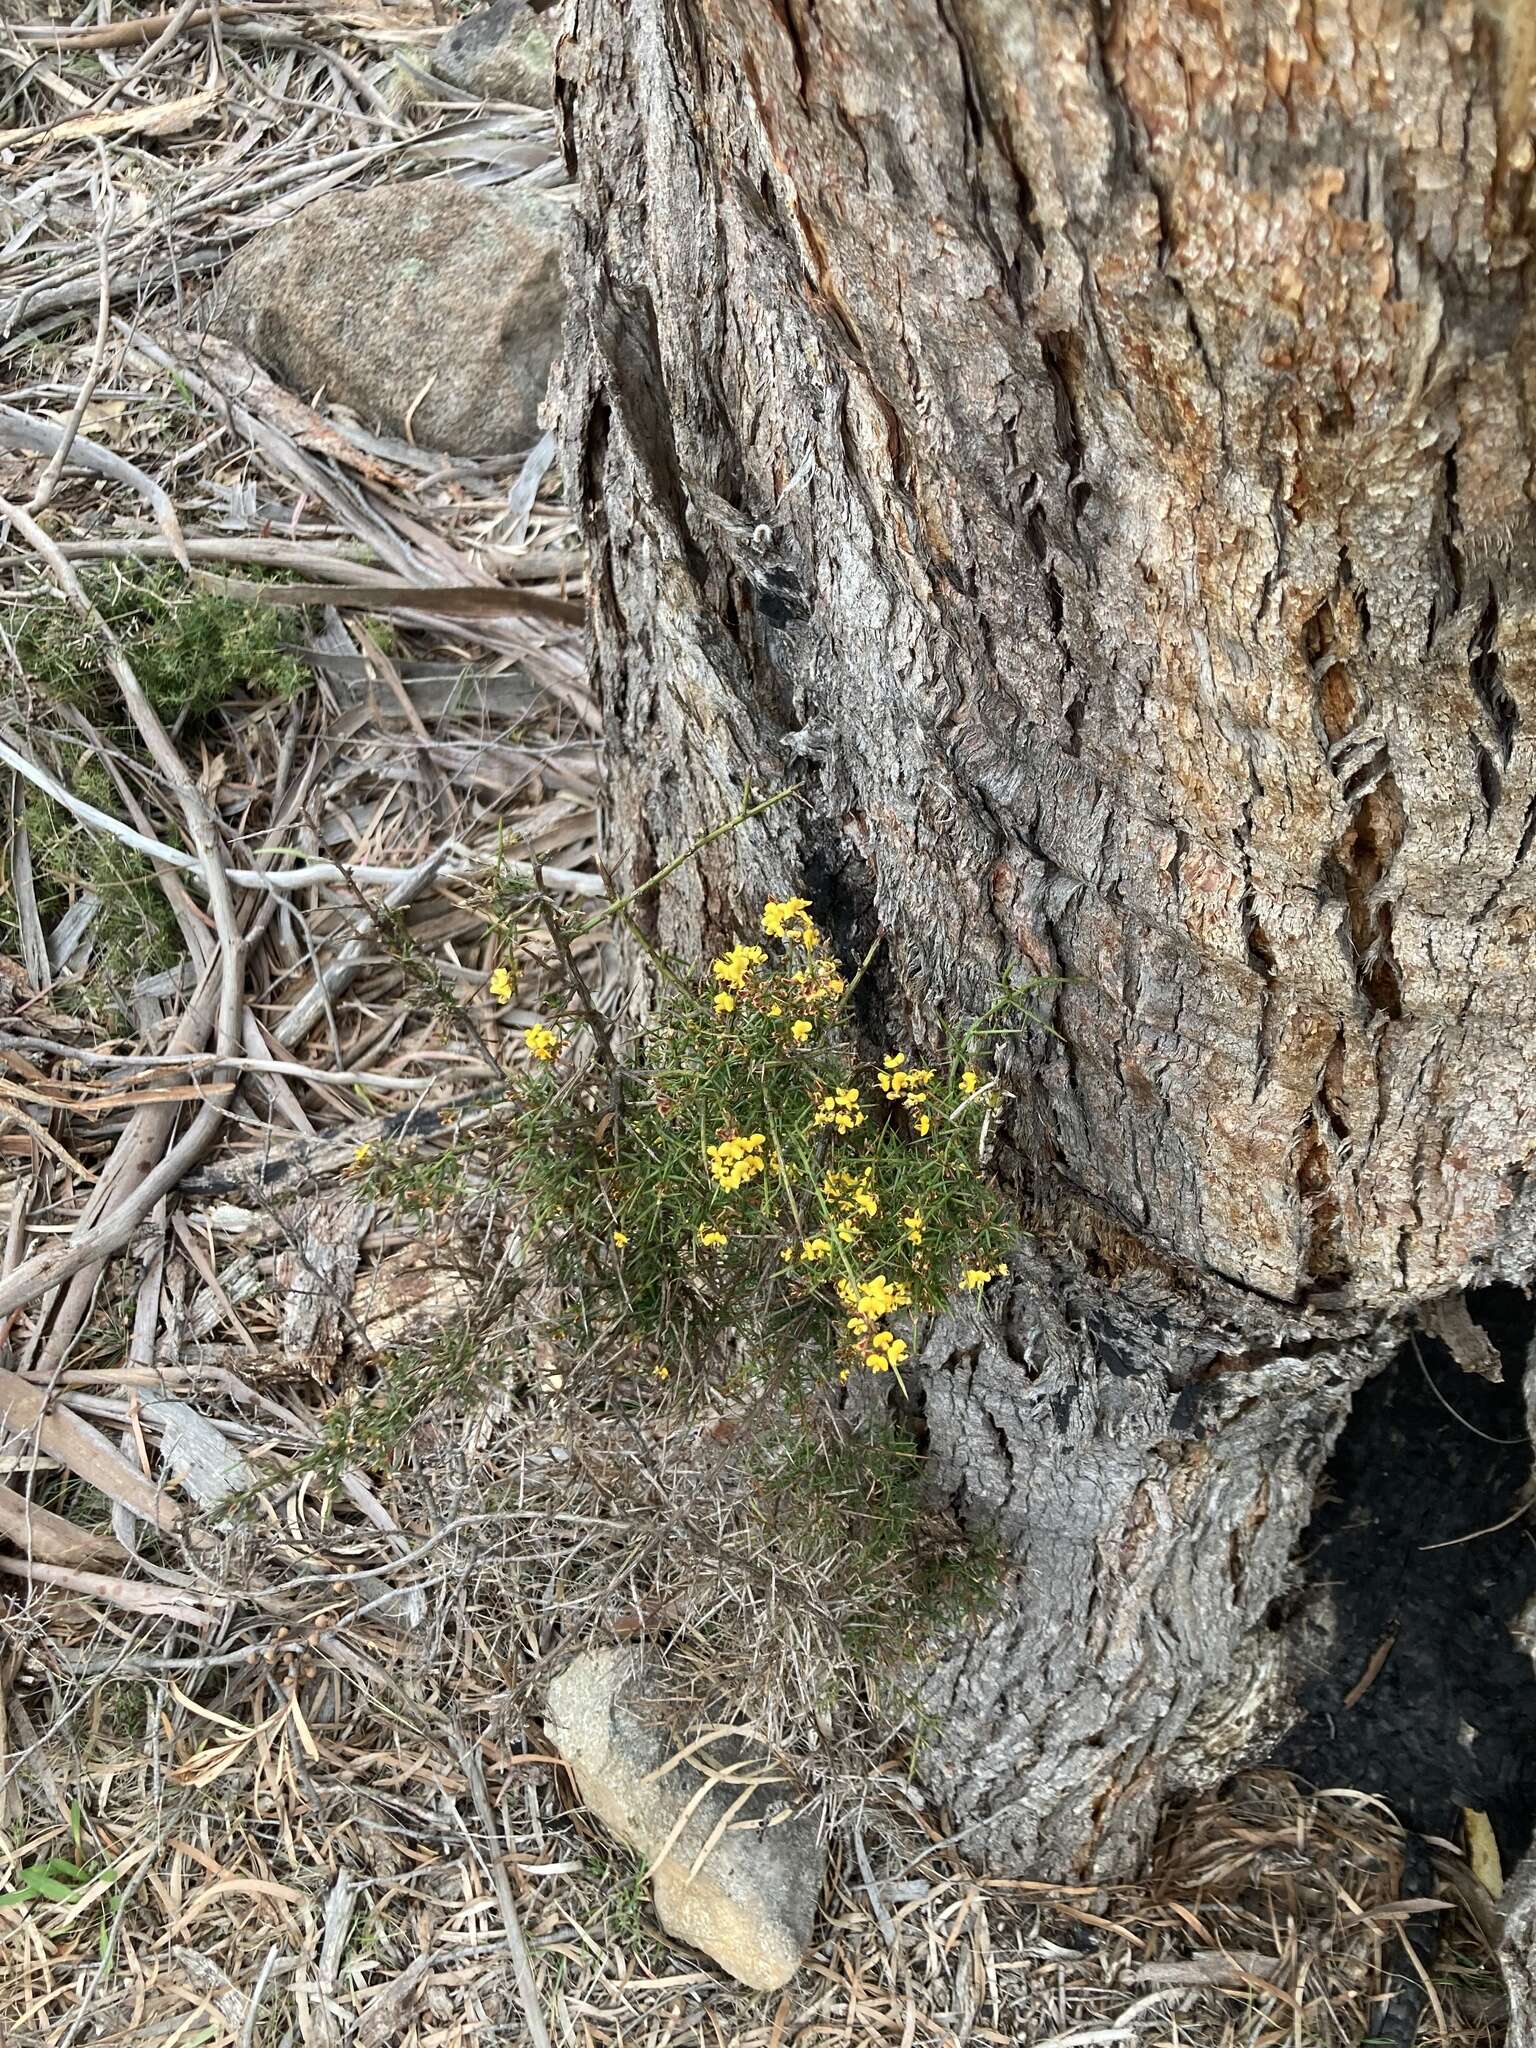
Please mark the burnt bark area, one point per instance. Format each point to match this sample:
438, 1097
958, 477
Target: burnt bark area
1087, 450
1417, 1577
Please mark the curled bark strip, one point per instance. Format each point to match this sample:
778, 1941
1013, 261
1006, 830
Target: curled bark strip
131, 1594
82, 1449
38, 1532
448, 601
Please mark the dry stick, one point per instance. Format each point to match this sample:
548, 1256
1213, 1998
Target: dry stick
748, 811
440, 600
42, 437
15, 1236
335, 978
131, 1594
173, 28
522, 1969
535, 565
596, 1022
144, 1138
145, 1065
425, 973
49, 481
141, 1144
47, 1269
572, 880
116, 35
652, 953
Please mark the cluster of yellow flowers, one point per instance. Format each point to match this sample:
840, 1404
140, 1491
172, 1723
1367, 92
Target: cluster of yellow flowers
976, 1277
734, 969
884, 1205
735, 1161
900, 1083
812, 1251
839, 1110
869, 1302
819, 983
870, 1299
850, 1196
791, 920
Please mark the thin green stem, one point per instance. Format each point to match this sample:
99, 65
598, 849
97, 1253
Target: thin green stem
748, 811
866, 963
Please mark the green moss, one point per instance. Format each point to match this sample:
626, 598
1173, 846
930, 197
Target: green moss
124, 1707
191, 649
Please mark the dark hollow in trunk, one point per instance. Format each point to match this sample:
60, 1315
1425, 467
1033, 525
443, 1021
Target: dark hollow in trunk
1406, 1569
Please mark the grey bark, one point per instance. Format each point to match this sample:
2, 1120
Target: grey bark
1089, 451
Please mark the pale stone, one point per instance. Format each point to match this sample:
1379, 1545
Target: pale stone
501, 52
751, 1903
427, 308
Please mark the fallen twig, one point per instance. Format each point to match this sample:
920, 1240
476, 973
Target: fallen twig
573, 881
45, 1270
42, 437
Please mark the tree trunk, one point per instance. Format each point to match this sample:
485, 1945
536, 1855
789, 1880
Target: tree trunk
1088, 449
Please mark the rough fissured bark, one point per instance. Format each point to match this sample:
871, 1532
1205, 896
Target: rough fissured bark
1088, 451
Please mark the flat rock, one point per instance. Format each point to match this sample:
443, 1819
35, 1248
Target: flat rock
430, 310
502, 52
751, 1902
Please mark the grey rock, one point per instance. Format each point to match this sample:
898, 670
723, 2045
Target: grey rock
501, 52
429, 309
751, 1902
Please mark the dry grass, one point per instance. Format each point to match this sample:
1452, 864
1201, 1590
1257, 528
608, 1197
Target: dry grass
294, 1756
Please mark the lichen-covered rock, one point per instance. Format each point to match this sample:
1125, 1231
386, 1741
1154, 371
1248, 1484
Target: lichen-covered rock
751, 1902
501, 52
430, 310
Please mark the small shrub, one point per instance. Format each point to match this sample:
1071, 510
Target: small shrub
759, 1176
191, 649
723, 1236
